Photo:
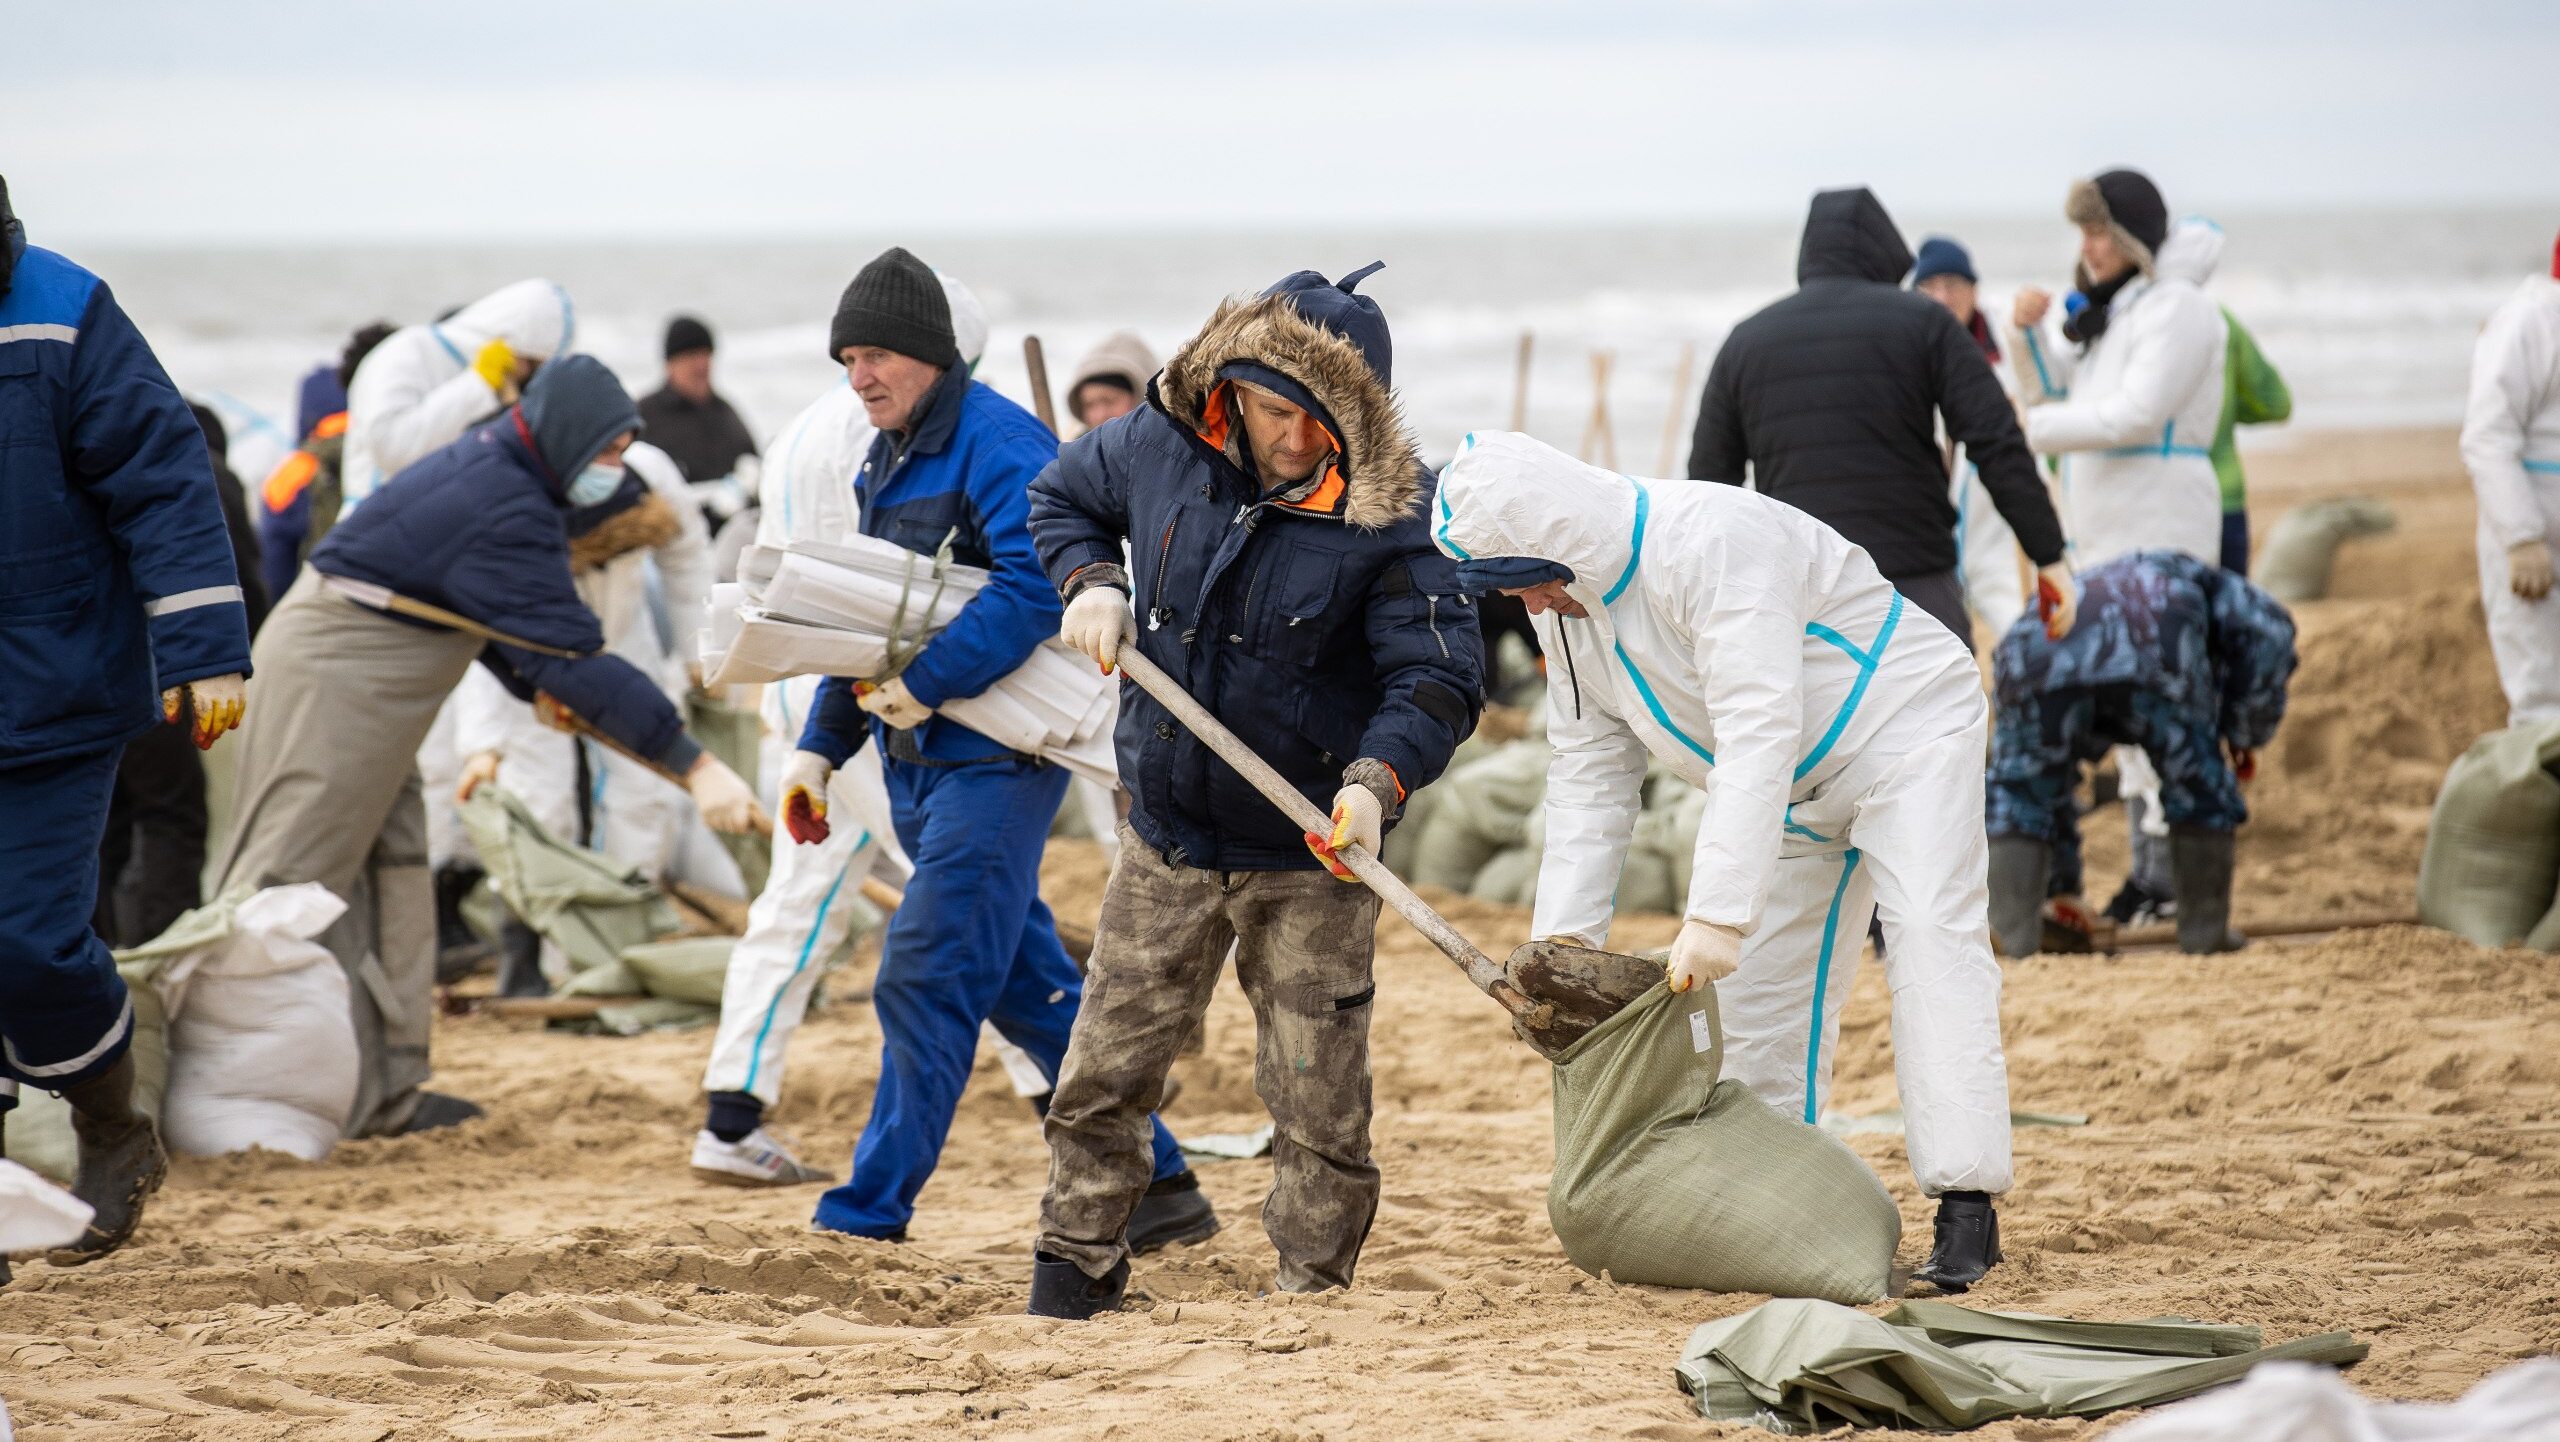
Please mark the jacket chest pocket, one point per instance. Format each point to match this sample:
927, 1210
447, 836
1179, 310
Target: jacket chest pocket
26, 412
1291, 607
922, 526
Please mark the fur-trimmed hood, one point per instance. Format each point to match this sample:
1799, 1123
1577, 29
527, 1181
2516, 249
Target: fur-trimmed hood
1379, 465
645, 525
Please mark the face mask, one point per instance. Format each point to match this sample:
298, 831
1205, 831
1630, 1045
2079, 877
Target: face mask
595, 485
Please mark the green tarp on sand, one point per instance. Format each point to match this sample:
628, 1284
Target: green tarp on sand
1797, 1367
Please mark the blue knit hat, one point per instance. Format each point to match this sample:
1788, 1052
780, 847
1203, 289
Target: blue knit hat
1941, 255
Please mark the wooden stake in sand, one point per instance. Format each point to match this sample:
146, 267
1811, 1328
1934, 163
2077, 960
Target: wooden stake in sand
1520, 387
1599, 437
1035, 361
1679, 410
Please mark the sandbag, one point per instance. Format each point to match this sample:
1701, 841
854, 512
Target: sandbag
2492, 862
1510, 878
262, 1046
691, 968
35, 1214
1668, 1176
735, 734
1484, 808
588, 905
2294, 562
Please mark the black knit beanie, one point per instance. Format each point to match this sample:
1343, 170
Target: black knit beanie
686, 334
897, 303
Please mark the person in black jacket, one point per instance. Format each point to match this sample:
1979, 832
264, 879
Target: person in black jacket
1832, 395
687, 418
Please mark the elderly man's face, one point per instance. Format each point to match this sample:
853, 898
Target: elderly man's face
1952, 291
1288, 444
1547, 596
890, 383
689, 375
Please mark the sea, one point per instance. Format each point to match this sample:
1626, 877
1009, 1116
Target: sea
2370, 316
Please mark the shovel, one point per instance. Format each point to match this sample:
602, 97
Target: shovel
1555, 993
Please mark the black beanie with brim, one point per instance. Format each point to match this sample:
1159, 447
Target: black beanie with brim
897, 303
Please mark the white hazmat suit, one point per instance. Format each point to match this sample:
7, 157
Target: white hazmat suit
2511, 444
1839, 735
2133, 418
417, 390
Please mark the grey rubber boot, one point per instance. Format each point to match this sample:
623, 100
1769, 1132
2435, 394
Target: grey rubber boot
2200, 860
2020, 866
121, 1162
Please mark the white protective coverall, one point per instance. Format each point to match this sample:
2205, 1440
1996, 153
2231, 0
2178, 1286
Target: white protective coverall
417, 390
2511, 444
2133, 418
806, 911
1839, 735
637, 815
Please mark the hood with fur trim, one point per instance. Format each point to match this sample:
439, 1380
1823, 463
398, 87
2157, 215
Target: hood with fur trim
1378, 464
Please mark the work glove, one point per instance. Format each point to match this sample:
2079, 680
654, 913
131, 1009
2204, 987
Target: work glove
893, 703
1704, 952
2057, 599
1358, 816
220, 702
2244, 763
1098, 623
477, 772
726, 802
2529, 569
548, 710
496, 364
804, 796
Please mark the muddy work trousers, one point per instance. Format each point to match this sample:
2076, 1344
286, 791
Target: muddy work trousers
1304, 943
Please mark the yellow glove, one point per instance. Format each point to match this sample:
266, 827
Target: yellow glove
1357, 820
477, 772
2529, 569
496, 364
220, 703
893, 703
1704, 952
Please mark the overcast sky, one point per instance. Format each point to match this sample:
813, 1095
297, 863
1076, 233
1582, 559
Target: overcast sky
186, 122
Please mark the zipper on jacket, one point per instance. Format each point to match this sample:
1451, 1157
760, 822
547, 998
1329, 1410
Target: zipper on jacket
1157, 612
1435, 625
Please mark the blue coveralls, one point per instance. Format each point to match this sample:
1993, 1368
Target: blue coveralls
116, 582
972, 942
2170, 654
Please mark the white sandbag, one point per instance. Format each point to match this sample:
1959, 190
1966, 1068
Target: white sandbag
36, 1214
2302, 1402
262, 1050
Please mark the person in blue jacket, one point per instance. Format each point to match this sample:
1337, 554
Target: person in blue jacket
462, 557
301, 495
2175, 655
1273, 514
972, 942
120, 608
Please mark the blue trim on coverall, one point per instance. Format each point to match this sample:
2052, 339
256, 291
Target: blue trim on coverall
808, 945
1821, 981
972, 943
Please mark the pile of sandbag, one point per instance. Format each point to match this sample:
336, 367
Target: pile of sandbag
2492, 864
1481, 829
2293, 564
864, 607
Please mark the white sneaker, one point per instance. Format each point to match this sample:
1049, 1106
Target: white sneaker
754, 1160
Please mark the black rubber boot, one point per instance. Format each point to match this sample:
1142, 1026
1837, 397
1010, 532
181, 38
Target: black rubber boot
1174, 1212
437, 1110
121, 1162
2200, 861
520, 962
1059, 1288
2019, 866
1965, 1242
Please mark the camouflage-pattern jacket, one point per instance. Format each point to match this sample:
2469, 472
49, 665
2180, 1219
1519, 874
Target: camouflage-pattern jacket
2207, 640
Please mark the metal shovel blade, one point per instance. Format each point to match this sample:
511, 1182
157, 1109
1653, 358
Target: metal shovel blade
1578, 988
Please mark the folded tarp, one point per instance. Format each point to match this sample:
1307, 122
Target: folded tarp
1797, 1367
862, 607
583, 902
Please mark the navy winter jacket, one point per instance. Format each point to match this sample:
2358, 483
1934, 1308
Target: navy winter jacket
116, 575
1322, 630
960, 471
480, 528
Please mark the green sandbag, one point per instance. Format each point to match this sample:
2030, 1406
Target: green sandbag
736, 736
2492, 861
691, 968
1796, 1367
1484, 808
2294, 562
1667, 1176
1510, 878
581, 901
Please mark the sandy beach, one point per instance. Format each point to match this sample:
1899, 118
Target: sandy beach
2358, 1132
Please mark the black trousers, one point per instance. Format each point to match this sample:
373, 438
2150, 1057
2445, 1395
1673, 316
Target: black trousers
151, 865
1941, 594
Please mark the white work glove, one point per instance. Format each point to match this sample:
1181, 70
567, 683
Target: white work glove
2529, 569
1704, 952
1357, 819
477, 772
893, 703
804, 796
221, 701
1098, 623
726, 802
2057, 599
